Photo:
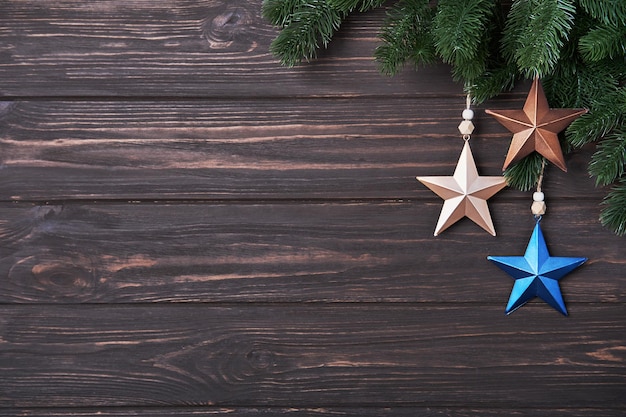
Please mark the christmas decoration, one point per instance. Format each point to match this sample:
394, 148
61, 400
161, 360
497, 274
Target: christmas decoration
465, 193
535, 128
576, 47
536, 274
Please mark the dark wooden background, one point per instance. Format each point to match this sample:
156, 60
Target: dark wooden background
188, 229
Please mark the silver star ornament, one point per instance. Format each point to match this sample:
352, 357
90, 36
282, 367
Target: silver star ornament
465, 193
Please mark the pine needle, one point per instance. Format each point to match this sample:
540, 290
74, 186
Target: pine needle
605, 41
613, 214
607, 163
406, 37
525, 174
609, 12
535, 33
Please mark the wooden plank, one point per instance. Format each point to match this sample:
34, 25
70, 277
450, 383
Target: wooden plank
184, 48
332, 252
250, 149
318, 355
203, 411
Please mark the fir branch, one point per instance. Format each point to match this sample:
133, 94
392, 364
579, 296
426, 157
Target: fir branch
351, 5
578, 84
535, 33
311, 23
493, 82
613, 214
406, 37
459, 30
307, 23
605, 115
609, 12
607, 163
562, 87
470, 70
563, 84
280, 12
525, 174
605, 41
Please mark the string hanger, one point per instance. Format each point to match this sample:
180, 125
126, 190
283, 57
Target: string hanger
538, 208
467, 127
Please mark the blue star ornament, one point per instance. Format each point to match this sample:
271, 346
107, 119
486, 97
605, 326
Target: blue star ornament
536, 274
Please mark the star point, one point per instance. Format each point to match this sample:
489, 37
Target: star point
536, 127
536, 274
465, 193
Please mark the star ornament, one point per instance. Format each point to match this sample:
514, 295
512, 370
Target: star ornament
465, 193
536, 274
536, 127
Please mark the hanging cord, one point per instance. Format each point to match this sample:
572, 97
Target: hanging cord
467, 127
538, 207
540, 179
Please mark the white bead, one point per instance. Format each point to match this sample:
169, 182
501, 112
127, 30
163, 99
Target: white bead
468, 114
538, 196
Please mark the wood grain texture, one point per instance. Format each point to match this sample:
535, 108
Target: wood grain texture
251, 149
312, 356
330, 252
189, 229
208, 411
214, 48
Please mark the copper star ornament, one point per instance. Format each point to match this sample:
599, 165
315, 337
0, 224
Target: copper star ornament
465, 193
536, 127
